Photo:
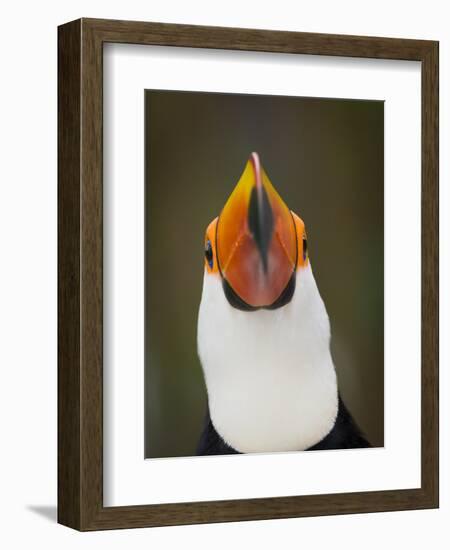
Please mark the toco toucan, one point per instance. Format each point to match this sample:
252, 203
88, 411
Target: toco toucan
264, 333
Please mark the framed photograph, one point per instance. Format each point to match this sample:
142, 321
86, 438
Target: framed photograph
248, 274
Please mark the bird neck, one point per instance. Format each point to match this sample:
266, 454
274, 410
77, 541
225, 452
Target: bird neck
269, 375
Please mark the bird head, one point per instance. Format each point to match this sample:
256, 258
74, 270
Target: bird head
268, 371
256, 245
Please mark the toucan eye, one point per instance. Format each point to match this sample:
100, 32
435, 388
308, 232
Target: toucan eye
305, 248
209, 254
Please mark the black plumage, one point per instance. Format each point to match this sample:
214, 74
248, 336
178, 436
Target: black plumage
345, 434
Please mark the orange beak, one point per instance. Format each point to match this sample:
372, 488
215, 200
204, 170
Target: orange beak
256, 241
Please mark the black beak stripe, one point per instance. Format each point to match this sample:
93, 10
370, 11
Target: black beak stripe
260, 221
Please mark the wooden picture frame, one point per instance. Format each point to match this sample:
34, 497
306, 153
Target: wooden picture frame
80, 272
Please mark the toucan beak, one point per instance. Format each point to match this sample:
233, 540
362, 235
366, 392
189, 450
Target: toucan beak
256, 239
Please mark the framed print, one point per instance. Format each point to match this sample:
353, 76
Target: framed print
248, 274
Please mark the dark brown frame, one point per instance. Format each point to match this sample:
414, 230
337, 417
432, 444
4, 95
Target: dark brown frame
80, 301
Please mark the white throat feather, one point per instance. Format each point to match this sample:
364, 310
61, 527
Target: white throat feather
269, 375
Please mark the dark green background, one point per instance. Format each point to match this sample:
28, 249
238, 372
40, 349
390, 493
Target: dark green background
325, 158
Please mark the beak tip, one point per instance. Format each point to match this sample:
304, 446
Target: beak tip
256, 164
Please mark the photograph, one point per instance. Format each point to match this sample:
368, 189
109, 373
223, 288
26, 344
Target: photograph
248, 274
224, 275
264, 274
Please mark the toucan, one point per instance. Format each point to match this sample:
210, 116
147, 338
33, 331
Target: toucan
263, 334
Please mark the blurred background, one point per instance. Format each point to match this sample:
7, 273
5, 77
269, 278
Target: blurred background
325, 158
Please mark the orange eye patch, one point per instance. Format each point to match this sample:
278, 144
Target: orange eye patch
302, 244
210, 248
